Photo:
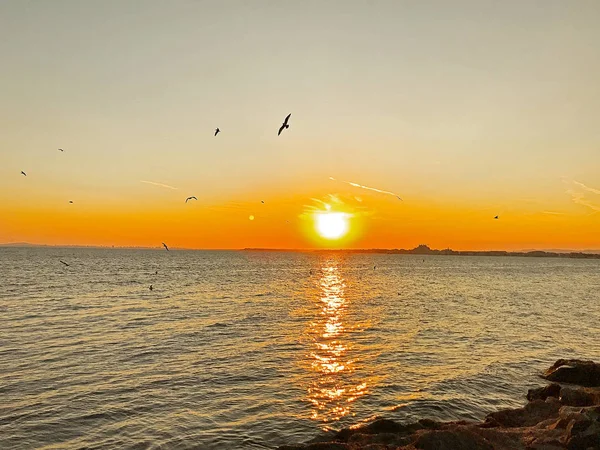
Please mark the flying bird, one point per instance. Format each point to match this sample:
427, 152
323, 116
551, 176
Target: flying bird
398, 197
23, 173
70, 201
64, 263
495, 217
165, 246
60, 150
190, 198
217, 131
285, 124
151, 287
262, 201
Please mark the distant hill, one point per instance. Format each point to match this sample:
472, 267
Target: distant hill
22, 244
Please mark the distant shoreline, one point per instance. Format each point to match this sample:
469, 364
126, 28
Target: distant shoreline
421, 250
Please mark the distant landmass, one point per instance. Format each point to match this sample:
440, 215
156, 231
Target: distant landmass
420, 250
425, 250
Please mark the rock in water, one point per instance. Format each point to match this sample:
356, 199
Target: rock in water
574, 371
552, 390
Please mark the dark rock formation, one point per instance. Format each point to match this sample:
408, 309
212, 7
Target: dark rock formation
574, 371
552, 390
556, 417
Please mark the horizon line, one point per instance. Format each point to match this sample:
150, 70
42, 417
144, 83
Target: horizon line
278, 249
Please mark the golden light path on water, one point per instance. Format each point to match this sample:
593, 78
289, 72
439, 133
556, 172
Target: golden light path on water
333, 390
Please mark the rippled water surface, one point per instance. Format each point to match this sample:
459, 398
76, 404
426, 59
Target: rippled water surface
254, 350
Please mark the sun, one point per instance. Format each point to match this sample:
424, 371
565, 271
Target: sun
331, 225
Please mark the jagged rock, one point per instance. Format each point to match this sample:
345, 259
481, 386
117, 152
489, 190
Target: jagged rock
574, 371
575, 397
552, 390
586, 438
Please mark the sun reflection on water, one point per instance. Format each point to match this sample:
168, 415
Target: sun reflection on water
334, 387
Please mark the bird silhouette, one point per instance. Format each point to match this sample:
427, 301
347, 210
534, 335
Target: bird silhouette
70, 201
217, 131
398, 197
165, 246
60, 150
23, 173
190, 198
262, 201
285, 124
151, 288
64, 263
495, 217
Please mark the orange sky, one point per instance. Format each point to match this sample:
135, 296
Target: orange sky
466, 110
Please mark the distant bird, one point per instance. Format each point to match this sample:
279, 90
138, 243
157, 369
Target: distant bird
156, 273
495, 217
23, 173
165, 246
374, 267
284, 125
70, 201
398, 197
190, 198
217, 131
64, 263
262, 201
151, 288
60, 150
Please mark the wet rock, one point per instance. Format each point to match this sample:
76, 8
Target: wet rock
377, 427
317, 446
533, 413
574, 371
452, 439
386, 439
552, 390
575, 397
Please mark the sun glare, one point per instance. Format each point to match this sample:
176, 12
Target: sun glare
332, 225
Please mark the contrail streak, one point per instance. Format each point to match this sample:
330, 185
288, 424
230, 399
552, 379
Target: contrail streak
367, 187
587, 188
158, 184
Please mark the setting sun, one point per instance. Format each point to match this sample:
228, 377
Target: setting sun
332, 225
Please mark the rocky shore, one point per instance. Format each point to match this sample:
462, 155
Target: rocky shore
564, 414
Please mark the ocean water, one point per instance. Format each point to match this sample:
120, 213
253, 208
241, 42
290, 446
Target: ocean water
258, 349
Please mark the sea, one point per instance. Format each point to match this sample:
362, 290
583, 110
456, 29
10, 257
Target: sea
251, 350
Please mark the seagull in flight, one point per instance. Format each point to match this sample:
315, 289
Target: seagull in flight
285, 124
60, 150
64, 263
70, 201
165, 246
262, 201
151, 287
23, 173
217, 131
398, 197
190, 198
495, 217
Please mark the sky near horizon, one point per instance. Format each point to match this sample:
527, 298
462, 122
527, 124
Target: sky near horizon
466, 109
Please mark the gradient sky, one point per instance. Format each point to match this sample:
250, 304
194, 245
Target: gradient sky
466, 109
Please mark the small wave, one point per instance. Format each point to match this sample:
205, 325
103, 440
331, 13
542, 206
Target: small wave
218, 325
